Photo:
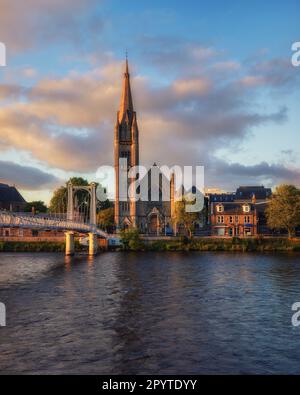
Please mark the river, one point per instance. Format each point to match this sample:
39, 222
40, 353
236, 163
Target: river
149, 313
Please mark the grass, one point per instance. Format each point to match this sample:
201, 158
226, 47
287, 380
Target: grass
41, 246
134, 243
235, 244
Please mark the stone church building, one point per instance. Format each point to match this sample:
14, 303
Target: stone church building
152, 216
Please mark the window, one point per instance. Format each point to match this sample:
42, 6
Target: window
126, 154
125, 206
247, 219
231, 219
220, 208
220, 219
246, 208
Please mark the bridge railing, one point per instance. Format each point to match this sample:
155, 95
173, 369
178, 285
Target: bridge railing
10, 219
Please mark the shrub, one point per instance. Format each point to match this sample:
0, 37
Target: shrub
131, 240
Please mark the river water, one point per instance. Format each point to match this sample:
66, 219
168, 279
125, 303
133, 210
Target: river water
149, 313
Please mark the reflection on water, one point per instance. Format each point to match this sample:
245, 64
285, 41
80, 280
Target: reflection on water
149, 313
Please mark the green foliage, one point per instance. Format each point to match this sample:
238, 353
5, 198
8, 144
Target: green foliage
13, 246
131, 240
229, 245
59, 200
182, 217
105, 205
38, 205
40, 246
283, 211
158, 245
105, 218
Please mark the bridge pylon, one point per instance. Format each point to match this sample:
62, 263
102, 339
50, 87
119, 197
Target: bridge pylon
93, 240
70, 244
93, 244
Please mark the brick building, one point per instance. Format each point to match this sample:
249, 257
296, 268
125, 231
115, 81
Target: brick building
240, 213
27, 233
233, 219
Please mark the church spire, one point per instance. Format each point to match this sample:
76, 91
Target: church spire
126, 105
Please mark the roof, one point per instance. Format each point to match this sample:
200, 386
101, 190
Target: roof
221, 197
10, 194
247, 192
126, 105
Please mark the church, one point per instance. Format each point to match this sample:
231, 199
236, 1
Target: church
153, 216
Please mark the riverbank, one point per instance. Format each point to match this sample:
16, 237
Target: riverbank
235, 244
274, 244
34, 246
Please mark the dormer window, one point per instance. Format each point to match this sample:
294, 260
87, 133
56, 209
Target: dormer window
220, 208
246, 208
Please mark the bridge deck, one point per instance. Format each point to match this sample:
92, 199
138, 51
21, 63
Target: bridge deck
18, 220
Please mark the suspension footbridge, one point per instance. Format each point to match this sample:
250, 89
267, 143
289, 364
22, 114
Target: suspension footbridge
79, 217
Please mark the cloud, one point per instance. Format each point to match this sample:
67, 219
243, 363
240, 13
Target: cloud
190, 87
261, 173
67, 123
26, 177
173, 54
276, 73
27, 24
228, 66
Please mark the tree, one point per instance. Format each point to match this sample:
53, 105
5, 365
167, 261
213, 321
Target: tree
131, 240
283, 211
182, 217
106, 219
104, 205
38, 205
58, 202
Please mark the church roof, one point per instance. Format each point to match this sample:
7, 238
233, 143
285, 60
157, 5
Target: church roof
126, 104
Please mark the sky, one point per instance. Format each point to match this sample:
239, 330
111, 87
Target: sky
212, 83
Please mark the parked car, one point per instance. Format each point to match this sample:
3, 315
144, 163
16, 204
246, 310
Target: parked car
115, 242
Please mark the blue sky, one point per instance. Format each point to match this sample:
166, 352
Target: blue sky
212, 82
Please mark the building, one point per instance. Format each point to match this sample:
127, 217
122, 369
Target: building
233, 219
247, 193
221, 197
152, 216
241, 213
11, 199
229, 214
27, 233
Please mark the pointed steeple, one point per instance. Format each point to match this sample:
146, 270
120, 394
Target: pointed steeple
126, 105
